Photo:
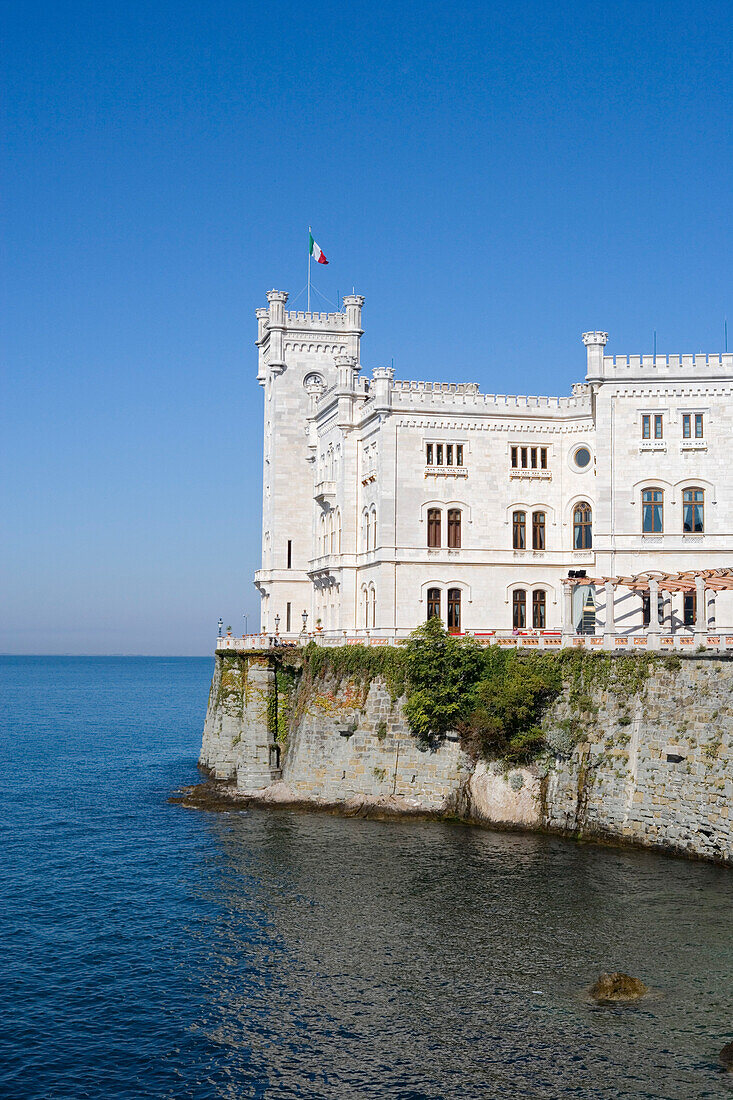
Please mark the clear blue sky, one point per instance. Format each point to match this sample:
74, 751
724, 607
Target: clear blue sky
495, 178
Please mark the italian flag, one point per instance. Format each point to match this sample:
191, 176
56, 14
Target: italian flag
315, 251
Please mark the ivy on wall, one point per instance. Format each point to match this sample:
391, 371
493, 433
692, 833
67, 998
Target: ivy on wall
494, 697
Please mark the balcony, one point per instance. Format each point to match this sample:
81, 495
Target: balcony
446, 471
530, 474
325, 492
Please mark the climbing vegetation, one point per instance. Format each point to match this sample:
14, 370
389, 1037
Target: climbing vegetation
494, 698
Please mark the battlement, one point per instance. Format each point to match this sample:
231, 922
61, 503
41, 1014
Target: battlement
436, 395
651, 368
302, 319
436, 387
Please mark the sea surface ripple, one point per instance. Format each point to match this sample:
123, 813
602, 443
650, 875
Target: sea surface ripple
154, 951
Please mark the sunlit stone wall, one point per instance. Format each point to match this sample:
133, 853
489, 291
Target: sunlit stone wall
654, 768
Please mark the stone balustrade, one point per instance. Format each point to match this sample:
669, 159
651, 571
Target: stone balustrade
682, 642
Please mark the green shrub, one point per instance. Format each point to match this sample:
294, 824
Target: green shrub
494, 697
563, 738
441, 673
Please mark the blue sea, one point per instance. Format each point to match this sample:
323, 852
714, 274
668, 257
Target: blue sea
150, 950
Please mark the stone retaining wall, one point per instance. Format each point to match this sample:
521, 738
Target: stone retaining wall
654, 768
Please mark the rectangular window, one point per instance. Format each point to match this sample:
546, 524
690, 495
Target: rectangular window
652, 512
438, 454
449, 454
543, 458
534, 458
690, 609
287, 618
686, 432
459, 454
454, 528
433, 527
454, 610
524, 458
658, 426
698, 425
693, 507
290, 553
538, 530
538, 609
646, 427
515, 457
519, 523
519, 609
429, 454
646, 608
433, 603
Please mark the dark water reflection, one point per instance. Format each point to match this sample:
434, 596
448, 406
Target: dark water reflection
151, 951
437, 961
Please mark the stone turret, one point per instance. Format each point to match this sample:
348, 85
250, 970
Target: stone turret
595, 342
380, 389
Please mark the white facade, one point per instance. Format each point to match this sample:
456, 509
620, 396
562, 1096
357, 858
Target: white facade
384, 500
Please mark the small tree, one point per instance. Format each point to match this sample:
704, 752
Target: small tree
442, 672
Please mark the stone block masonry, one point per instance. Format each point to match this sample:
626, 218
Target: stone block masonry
353, 743
651, 766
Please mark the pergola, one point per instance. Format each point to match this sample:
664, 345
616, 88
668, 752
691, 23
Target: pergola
718, 580
653, 582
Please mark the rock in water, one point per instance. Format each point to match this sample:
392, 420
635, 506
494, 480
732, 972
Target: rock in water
726, 1056
616, 988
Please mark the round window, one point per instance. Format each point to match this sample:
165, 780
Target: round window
582, 457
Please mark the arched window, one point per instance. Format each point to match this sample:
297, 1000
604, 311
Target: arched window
454, 610
519, 530
538, 609
538, 530
365, 606
693, 504
338, 530
373, 601
433, 527
374, 528
366, 529
322, 540
652, 511
519, 609
433, 603
582, 526
329, 524
454, 527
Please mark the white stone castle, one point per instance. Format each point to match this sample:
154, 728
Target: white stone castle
386, 502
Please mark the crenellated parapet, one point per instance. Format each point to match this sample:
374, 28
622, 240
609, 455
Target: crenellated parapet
282, 334
652, 368
430, 396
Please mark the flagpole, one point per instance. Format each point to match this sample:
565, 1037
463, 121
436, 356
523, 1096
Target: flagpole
310, 234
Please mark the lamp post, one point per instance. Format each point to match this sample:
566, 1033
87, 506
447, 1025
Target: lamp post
221, 625
246, 620
277, 624
305, 620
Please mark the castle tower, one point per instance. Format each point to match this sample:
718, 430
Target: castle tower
297, 363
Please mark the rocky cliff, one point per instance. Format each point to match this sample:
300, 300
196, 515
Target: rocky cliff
649, 763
